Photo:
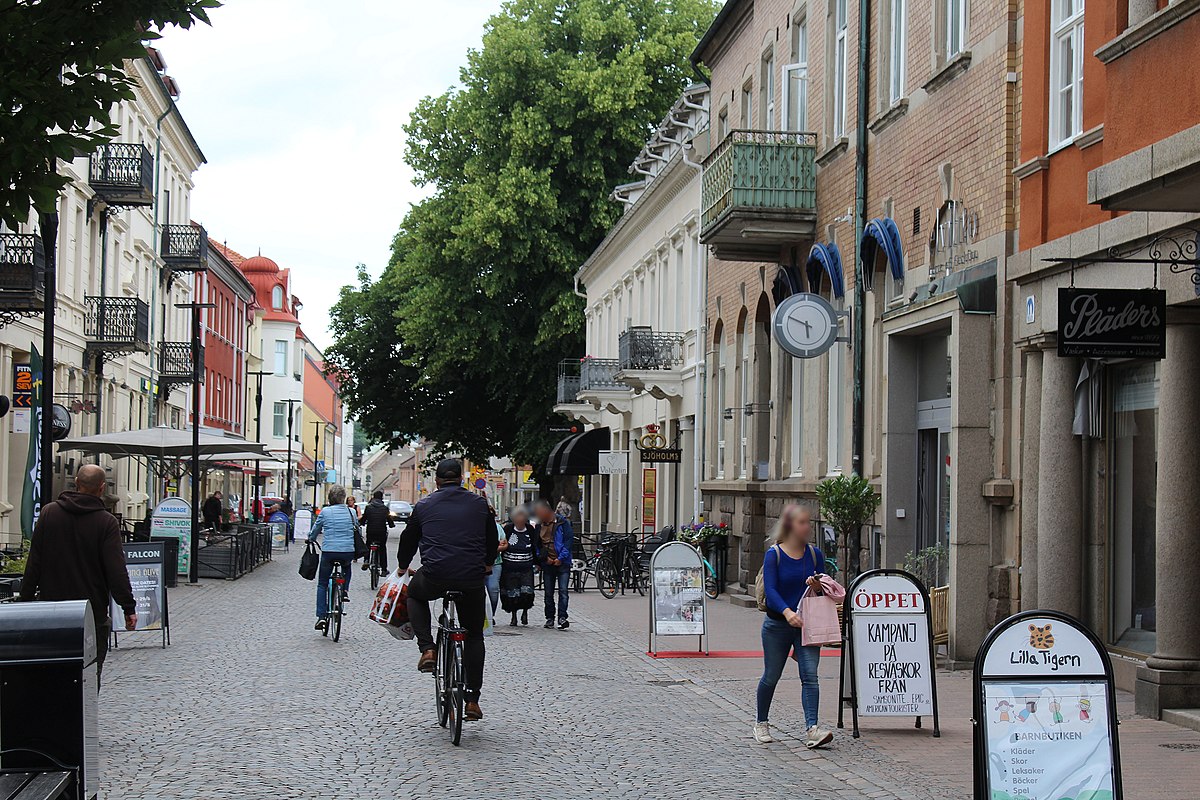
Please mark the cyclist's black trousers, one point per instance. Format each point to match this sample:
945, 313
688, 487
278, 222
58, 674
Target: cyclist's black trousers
471, 610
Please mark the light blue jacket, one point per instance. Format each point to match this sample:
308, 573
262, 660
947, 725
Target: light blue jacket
338, 523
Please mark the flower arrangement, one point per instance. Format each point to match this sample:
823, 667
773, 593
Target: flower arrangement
701, 532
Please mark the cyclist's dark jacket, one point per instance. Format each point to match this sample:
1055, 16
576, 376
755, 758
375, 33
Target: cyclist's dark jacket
456, 533
377, 520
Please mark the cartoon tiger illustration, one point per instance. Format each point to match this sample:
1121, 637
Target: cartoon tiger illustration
1041, 638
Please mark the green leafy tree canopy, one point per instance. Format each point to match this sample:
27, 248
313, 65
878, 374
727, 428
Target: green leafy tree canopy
476, 306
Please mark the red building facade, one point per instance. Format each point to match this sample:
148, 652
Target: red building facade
224, 335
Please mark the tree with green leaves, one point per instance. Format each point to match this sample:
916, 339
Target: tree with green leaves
847, 503
61, 73
459, 341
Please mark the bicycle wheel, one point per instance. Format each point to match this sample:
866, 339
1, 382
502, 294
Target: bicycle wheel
328, 605
439, 680
711, 587
336, 611
374, 575
456, 694
606, 577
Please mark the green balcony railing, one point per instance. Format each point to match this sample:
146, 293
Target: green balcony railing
768, 170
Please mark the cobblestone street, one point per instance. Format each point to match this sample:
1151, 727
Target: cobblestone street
250, 702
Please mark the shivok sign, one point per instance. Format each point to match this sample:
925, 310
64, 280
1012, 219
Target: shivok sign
1112, 323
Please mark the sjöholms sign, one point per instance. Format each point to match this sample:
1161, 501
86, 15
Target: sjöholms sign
1112, 323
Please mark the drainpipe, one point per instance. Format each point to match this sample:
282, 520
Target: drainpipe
858, 336
157, 238
700, 429
98, 367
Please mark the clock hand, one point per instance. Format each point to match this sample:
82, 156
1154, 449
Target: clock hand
807, 328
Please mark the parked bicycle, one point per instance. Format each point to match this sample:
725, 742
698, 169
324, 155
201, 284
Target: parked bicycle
449, 686
620, 565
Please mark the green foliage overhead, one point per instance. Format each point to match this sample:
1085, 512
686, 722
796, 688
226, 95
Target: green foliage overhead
61, 71
476, 307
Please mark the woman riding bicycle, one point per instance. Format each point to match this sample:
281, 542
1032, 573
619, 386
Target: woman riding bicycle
338, 523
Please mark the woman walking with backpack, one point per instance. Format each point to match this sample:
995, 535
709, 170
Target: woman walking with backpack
791, 565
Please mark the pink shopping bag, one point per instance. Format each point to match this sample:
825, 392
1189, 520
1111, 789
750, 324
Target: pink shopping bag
819, 613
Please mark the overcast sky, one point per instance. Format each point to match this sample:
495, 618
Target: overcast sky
298, 107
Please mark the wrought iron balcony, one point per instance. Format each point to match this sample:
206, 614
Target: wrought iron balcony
22, 274
568, 389
175, 362
759, 193
644, 349
122, 174
118, 324
600, 375
185, 247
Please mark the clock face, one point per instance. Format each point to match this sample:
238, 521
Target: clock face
806, 325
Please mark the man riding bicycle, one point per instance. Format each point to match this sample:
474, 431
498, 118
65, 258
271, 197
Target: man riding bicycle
377, 519
456, 534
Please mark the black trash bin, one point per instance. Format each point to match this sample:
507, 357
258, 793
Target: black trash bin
48, 687
170, 559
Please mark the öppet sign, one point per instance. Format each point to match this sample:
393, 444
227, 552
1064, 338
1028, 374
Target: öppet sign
888, 640
1045, 713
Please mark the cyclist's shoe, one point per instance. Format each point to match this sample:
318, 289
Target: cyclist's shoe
428, 659
345, 598
321, 625
549, 624
472, 711
562, 626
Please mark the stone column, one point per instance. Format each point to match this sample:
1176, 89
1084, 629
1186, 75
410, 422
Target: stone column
1030, 444
1140, 10
1060, 498
1171, 677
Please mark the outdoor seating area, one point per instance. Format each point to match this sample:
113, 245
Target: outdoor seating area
230, 555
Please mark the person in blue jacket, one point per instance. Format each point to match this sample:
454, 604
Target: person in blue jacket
554, 547
790, 566
338, 523
275, 514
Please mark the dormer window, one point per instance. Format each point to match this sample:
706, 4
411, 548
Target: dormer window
277, 298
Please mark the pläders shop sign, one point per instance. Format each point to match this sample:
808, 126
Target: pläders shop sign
1112, 323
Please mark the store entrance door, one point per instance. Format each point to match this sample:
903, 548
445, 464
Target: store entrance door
933, 488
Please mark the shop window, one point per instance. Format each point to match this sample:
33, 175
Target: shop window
1133, 489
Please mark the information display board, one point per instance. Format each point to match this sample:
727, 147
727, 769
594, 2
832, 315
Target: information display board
146, 565
677, 599
302, 524
888, 642
1046, 712
173, 517
279, 538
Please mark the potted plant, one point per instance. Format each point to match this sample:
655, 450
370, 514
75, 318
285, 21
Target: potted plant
847, 503
703, 535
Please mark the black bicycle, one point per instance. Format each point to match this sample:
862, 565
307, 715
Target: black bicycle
373, 562
620, 566
336, 596
449, 686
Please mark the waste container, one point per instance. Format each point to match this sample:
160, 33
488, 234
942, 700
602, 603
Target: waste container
48, 690
170, 559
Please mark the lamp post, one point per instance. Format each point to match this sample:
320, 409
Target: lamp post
258, 439
193, 561
316, 453
288, 481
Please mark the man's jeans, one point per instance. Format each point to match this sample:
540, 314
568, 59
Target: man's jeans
470, 608
323, 573
560, 575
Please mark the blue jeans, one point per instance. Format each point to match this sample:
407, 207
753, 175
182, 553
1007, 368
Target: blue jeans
778, 639
323, 573
552, 575
493, 587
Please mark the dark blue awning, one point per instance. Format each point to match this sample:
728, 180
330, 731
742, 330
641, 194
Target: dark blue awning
881, 234
828, 259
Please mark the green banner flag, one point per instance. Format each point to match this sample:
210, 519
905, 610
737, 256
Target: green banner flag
31, 497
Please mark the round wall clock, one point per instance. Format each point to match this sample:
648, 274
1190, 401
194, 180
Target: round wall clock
806, 325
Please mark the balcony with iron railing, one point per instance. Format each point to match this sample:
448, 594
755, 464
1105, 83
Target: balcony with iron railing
600, 375
758, 194
175, 363
116, 324
185, 247
22, 273
568, 389
122, 174
651, 361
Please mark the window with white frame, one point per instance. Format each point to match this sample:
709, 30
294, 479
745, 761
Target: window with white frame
723, 124
795, 79
277, 298
743, 400
955, 22
1066, 70
839, 68
279, 427
797, 417
722, 428
897, 48
748, 104
837, 403
766, 84
281, 356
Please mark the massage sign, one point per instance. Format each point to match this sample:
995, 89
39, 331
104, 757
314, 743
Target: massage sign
1044, 712
888, 653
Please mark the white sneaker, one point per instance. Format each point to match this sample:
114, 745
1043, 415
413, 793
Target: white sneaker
762, 733
817, 737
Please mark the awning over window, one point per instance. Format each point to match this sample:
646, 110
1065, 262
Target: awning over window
881, 234
828, 259
579, 453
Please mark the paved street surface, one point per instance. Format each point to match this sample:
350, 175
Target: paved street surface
250, 702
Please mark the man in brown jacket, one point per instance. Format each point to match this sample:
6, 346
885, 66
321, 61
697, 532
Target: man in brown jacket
75, 554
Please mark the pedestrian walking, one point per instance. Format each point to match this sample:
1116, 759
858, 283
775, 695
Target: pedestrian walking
518, 558
554, 557
493, 578
338, 523
212, 511
75, 554
377, 519
289, 511
790, 566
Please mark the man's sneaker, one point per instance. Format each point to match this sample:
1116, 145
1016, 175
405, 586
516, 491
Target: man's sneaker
427, 661
562, 626
549, 624
472, 711
817, 737
762, 733
321, 624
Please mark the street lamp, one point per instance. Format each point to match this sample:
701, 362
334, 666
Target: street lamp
316, 452
258, 439
193, 561
291, 416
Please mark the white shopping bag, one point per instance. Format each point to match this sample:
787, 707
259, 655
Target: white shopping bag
390, 605
487, 615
